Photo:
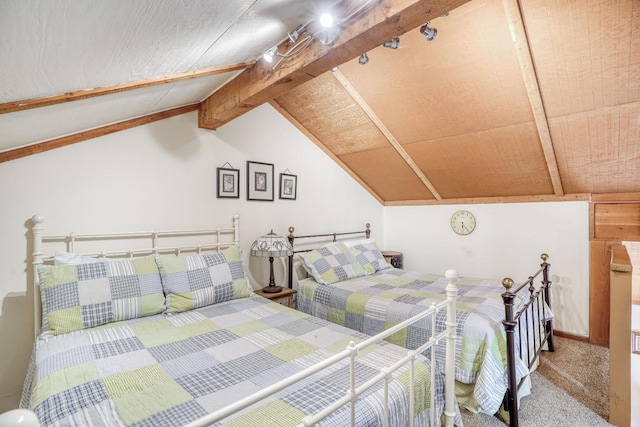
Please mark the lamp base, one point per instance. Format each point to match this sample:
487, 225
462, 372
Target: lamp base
271, 289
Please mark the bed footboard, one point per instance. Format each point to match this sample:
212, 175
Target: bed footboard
527, 330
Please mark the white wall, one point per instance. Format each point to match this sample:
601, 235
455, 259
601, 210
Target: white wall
160, 176
507, 242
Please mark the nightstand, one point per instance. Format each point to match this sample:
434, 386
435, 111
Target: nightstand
284, 297
394, 258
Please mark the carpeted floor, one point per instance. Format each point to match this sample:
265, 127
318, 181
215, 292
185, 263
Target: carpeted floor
580, 369
572, 383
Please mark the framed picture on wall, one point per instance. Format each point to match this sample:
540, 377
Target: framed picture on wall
260, 181
228, 183
288, 186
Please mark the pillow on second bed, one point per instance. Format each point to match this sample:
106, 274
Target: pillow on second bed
368, 255
82, 296
332, 263
193, 281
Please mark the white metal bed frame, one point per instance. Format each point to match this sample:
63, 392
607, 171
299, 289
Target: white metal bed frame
351, 351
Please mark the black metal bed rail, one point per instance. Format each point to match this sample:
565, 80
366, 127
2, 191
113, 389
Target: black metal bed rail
334, 238
530, 324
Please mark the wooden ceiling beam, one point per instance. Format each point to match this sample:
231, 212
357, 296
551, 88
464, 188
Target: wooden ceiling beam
385, 131
262, 83
523, 52
63, 141
10, 107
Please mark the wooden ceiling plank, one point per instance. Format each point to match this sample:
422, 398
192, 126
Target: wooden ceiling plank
10, 107
261, 83
320, 145
386, 132
523, 52
51, 144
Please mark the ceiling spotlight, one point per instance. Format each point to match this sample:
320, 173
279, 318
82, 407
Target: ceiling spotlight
428, 32
394, 43
270, 54
364, 59
334, 69
326, 20
294, 34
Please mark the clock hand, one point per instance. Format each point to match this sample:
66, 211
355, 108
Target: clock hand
464, 226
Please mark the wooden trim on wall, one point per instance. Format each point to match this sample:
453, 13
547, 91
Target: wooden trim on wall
40, 147
14, 106
487, 200
616, 197
571, 336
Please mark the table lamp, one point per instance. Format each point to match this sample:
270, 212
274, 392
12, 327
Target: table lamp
269, 246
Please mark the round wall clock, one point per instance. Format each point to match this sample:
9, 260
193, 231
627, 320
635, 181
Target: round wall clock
463, 222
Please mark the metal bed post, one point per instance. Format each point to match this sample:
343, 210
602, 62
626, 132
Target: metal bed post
546, 283
511, 398
450, 368
37, 261
290, 237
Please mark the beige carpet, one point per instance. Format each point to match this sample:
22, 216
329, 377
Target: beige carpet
569, 388
581, 370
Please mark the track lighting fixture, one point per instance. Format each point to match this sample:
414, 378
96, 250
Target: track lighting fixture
296, 33
394, 43
326, 20
364, 59
428, 32
270, 54
326, 30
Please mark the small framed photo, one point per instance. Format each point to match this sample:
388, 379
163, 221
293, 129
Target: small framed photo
228, 183
288, 186
260, 181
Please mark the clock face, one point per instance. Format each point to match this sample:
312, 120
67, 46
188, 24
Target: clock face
463, 222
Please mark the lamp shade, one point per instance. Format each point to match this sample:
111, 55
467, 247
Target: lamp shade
271, 245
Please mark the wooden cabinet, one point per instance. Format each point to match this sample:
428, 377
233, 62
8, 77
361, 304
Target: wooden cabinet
611, 223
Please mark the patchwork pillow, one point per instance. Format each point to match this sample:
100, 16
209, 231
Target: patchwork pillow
368, 255
192, 281
82, 296
331, 263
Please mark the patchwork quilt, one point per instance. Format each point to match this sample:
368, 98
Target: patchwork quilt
169, 370
373, 303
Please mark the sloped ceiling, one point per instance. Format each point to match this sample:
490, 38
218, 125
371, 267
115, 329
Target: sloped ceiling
513, 100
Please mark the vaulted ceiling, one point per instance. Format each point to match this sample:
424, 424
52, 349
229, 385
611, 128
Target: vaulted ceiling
513, 100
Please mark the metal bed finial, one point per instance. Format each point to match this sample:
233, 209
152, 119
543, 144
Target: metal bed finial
507, 282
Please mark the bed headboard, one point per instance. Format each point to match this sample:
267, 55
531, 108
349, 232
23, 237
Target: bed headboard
129, 244
319, 240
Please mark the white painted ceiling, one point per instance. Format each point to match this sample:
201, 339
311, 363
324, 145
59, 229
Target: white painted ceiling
49, 48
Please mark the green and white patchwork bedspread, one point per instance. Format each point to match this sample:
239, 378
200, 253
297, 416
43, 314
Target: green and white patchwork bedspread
168, 370
373, 303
